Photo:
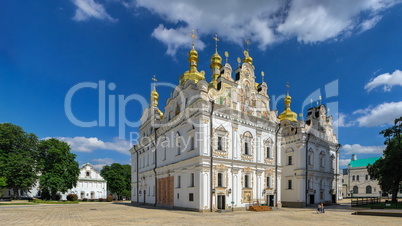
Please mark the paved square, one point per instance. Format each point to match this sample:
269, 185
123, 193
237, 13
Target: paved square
126, 214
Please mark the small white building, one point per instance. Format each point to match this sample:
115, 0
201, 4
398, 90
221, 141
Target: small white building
90, 184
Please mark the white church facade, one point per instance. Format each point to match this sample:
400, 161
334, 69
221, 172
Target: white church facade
218, 145
90, 185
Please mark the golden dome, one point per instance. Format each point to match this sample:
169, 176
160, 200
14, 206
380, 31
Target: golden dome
216, 60
288, 113
193, 73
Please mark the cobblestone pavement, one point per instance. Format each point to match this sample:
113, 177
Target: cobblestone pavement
126, 214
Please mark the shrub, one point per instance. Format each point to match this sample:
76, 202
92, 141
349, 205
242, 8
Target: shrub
101, 199
92, 200
58, 197
84, 199
72, 197
109, 198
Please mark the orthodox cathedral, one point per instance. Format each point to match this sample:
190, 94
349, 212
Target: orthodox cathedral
217, 145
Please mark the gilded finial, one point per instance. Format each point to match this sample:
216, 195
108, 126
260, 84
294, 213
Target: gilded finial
238, 61
227, 56
262, 75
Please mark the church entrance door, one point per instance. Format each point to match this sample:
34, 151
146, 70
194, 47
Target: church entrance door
312, 199
221, 202
270, 200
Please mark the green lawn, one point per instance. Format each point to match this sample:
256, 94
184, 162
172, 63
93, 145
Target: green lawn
54, 202
17, 204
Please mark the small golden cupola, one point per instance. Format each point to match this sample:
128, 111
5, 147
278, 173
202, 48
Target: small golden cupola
216, 64
288, 113
193, 73
155, 102
247, 57
154, 98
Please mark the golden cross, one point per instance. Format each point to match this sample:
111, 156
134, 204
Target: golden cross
247, 43
154, 79
216, 42
193, 36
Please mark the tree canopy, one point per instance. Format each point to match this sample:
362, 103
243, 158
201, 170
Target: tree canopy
118, 179
18, 154
59, 170
388, 170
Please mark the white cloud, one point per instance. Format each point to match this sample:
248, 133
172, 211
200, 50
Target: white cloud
84, 144
358, 149
344, 162
341, 121
87, 9
382, 114
370, 23
387, 80
264, 22
102, 162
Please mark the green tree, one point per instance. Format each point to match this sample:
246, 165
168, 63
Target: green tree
118, 179
18, 154
59, 170
3, 184
388, 170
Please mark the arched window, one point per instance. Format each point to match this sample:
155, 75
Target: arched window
247, 139
268, 144
178, 143
310, 157
368, 189
366, 177
88, 174
355, 190
353, 178
322, 159
357, 177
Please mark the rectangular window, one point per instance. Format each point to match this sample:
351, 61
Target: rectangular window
220, 180
290, 160
192, 143
164, 153
220, 147
268, 182
192, 180
246, 151
268, 152
246, 181
289, 184
191, 197
178, 147
178, 181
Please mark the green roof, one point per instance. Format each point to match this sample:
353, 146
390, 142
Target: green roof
363, 162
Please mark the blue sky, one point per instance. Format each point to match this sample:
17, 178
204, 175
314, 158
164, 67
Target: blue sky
49, 47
